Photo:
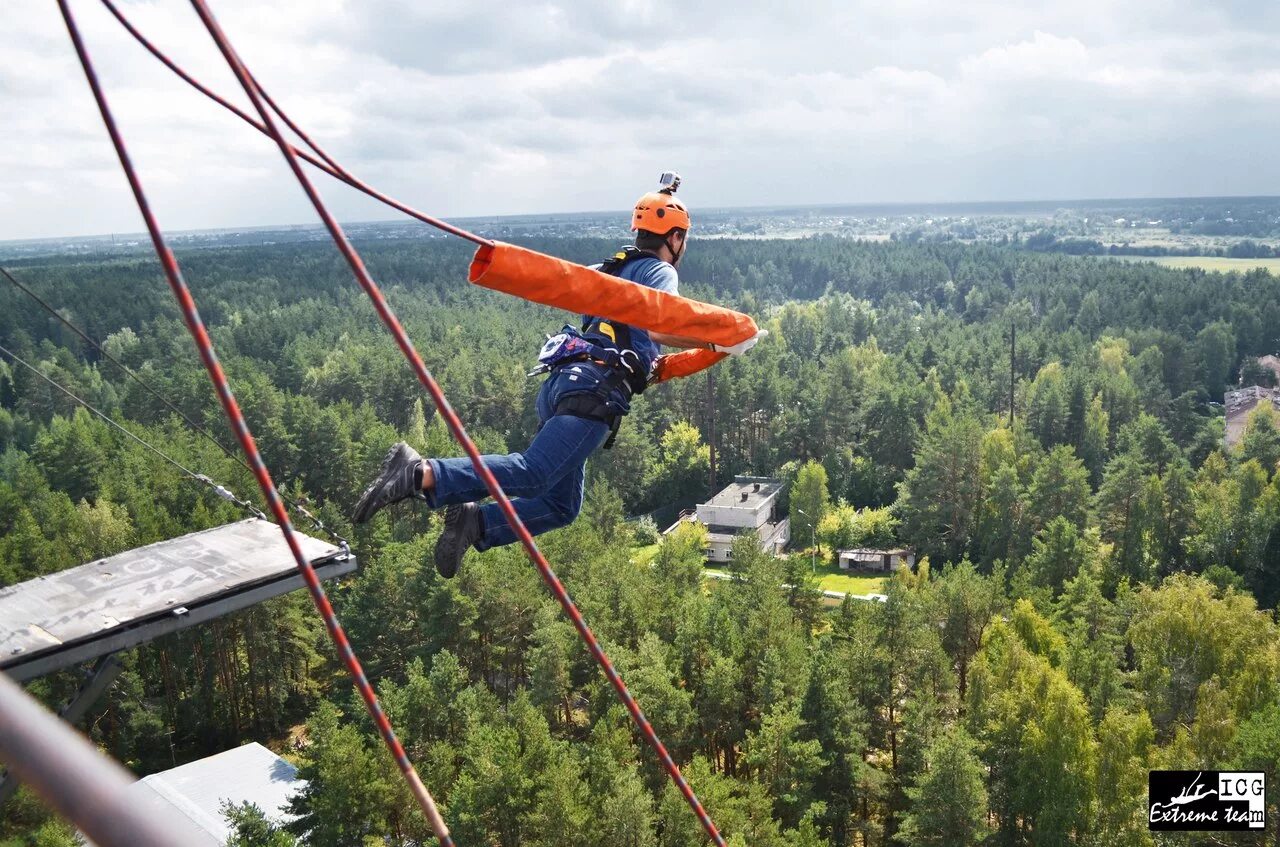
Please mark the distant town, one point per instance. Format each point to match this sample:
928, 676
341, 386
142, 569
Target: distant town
1246, 229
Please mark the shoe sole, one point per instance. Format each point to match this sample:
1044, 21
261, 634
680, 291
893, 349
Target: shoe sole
362, 505
447, 556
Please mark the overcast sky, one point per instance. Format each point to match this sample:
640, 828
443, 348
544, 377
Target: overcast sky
478, 107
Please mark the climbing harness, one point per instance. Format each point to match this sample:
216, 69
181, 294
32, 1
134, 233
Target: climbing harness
592, 407
567, 351
606, 344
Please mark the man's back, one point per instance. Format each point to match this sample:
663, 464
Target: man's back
651, 272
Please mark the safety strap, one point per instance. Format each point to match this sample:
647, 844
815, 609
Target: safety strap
628, 254
594, 408
620, 333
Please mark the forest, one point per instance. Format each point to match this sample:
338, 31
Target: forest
1095, 596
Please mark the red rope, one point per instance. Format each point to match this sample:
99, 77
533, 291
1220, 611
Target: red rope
207, 354
451, 418
324, 161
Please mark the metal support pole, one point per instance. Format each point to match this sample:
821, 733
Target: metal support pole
83, 785
1013, 378
103, 673
711, 430
99, 679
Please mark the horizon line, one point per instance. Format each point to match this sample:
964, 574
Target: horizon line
889, 204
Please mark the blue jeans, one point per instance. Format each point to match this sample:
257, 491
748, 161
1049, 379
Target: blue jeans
545, 481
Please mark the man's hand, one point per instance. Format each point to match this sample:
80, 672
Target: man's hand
742, 346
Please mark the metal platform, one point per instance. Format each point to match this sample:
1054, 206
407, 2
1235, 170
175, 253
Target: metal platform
83, 613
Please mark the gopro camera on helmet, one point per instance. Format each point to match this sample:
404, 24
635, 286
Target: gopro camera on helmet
669, 182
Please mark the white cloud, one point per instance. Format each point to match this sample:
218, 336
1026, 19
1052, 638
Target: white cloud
1044, 57
487, 108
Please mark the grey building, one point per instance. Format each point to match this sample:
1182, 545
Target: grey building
748, 503
875, 559
1239, 403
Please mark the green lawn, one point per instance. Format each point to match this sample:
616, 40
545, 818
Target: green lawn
830, 577
836, 580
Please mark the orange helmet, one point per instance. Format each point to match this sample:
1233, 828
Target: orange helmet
660, 212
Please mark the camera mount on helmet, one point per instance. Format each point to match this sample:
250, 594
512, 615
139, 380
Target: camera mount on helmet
659, 211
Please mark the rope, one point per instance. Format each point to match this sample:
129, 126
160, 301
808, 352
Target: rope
217, 489
210, 359
297, 507
321, 159
451, 418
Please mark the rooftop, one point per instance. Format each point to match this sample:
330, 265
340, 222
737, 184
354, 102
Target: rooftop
1244, 399
248, 774
877, 551
758, 490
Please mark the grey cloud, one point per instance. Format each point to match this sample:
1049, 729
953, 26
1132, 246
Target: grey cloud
488, 36
481, 108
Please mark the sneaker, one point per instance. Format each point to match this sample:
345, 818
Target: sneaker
399, 480
462, 528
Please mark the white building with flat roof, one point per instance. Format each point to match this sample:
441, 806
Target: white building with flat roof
749, 503
197, 790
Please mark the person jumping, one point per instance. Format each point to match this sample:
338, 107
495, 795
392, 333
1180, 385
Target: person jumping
593, 374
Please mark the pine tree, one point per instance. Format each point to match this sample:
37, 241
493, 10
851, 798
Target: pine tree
251, 828
1124, 514
1094, 629
1059, 489
1057, 554
350, 789
968, 600
940, 497
781, 759
949, 799
1047, 402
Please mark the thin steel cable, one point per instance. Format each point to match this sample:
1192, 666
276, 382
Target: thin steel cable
220, 490
119, 364
209, 357
451, 418
293, 504
321, 159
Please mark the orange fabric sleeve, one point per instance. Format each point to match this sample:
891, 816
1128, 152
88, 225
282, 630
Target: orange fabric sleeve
555, 282
684, 363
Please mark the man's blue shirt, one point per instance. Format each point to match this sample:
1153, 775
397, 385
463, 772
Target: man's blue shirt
650, 272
